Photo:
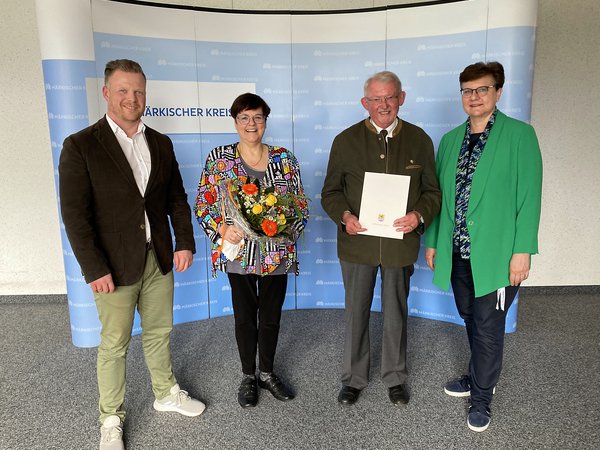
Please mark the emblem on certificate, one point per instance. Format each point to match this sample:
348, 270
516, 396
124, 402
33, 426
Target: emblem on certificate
380, 217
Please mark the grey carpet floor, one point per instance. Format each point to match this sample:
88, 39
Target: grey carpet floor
547, 398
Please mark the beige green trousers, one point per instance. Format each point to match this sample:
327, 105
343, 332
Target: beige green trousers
152, 295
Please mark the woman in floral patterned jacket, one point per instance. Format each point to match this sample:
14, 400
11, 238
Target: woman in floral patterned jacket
257, 273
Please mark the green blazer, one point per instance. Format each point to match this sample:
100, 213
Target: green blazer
504, 208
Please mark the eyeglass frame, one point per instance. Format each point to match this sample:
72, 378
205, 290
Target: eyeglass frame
244, 119
480, 94
381, 100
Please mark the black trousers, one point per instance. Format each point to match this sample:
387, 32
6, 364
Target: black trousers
257, 303
485, 323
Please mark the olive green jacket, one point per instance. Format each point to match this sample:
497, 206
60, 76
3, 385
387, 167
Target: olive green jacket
357, 150
504, 208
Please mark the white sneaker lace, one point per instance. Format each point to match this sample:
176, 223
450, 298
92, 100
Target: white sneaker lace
111, 434
181, 396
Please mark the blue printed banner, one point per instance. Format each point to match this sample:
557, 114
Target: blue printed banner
313, 84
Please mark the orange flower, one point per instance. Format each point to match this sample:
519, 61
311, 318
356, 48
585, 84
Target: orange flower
269, 227
250, 189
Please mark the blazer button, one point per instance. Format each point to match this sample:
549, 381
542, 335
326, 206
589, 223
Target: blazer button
142, 226
471, 222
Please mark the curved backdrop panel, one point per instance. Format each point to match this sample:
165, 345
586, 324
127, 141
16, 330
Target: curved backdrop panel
310, 68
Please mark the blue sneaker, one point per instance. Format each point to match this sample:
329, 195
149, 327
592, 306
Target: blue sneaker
479, 418
461, 387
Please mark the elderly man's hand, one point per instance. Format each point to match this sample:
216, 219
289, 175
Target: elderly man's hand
353, 226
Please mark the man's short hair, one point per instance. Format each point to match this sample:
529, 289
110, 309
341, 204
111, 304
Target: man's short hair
124, 65
384, 77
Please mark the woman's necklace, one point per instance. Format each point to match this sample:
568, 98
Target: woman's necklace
257, 162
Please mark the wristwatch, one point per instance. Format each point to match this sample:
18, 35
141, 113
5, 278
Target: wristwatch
421, 227
420, 216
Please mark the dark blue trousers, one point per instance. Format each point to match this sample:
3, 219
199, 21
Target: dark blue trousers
485, 323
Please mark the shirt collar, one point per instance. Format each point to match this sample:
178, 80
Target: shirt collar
389, 129
118, 130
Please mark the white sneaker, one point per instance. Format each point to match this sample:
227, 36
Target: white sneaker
111, 434
179, 401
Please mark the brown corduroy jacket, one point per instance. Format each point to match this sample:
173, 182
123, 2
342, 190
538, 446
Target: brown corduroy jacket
103, 210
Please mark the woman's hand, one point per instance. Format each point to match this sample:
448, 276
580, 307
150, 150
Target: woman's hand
519, 268
430, 257
233, 234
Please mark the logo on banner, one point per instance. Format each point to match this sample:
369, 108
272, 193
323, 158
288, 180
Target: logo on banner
175, 107
320, 240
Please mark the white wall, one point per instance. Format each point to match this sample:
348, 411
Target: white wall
566, 114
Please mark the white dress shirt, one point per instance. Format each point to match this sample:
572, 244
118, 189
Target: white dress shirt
137, 153
389, 129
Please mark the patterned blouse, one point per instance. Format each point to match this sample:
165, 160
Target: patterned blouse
283, 172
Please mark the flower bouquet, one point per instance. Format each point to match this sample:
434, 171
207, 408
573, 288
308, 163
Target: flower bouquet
261, 212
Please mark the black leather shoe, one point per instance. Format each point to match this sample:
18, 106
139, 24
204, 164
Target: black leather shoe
276, 387
248, 392
348, 395
398, 394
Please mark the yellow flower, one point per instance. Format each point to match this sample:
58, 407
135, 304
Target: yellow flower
257, 209
281, 219
271, 200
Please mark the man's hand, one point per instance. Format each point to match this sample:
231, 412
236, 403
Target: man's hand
183, 260
519, 268
103, 285
353, 226
407, 223
430, 257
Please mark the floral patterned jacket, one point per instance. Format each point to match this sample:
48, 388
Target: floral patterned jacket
283, 172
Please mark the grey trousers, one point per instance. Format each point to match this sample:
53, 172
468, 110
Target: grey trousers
359, 283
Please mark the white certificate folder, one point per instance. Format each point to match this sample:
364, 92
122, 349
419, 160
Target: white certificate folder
384, 199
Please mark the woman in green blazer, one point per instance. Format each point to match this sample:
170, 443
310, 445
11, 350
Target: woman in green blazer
490, 174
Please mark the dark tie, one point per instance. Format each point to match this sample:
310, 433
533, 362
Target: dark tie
383, 134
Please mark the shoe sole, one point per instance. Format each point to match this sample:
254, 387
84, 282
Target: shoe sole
166, 408
247, 406
457, 394
477, 429
462, 394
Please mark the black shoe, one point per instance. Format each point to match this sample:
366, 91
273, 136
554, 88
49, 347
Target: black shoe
275, 387
248, 392
348, 395
398, 394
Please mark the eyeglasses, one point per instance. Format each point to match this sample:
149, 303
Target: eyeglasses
386, 99
481, 91
245, 119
